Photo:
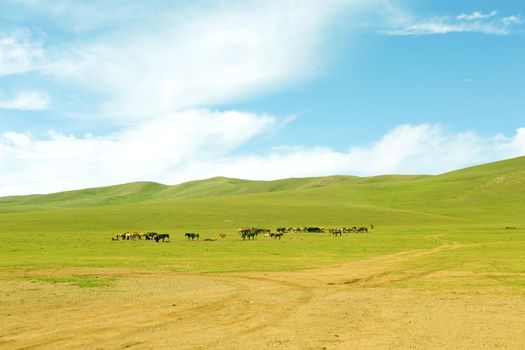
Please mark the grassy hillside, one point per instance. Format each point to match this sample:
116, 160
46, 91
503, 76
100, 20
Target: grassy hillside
73, 228
493, 189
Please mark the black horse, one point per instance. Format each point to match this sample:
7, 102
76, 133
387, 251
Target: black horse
191, 235
150, 235
249, 235
162, 236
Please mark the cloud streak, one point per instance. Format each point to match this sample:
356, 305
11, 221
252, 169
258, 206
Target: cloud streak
407, 149
26, 101
405, 24
201, 144
477, 15
195, 58
154, 150
18, 51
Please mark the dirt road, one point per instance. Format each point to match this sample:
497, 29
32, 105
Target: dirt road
352, 306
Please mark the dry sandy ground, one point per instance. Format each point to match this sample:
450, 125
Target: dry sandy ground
352, 306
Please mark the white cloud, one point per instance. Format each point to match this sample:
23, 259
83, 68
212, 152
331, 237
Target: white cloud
18, 51
477, 15
507, 21
407, 149
202, 144
153, 150
402, 23
194, 58
26, 101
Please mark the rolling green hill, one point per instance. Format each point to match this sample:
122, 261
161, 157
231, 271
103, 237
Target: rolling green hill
492, 190
470, 206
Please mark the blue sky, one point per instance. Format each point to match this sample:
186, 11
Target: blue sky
104, 92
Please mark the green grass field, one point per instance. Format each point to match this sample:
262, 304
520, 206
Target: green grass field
470, 207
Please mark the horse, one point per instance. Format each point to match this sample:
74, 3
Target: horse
192, 235
150, 235
249, 235
278, 235
362, 229
130, 235
222, 235
162, 236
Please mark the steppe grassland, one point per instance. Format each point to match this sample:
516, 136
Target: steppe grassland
439, 268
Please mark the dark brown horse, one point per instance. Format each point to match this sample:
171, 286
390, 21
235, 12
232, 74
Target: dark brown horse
162, 236
191, 235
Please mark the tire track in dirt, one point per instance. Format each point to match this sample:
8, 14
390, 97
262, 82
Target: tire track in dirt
229, 310
256, 314
110, 322
381, 270
300, 283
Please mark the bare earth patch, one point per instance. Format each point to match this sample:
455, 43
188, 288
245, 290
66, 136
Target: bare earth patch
352, 306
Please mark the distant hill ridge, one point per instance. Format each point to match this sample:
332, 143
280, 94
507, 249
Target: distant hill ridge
489, 180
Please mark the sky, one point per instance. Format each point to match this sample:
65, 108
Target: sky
96, 93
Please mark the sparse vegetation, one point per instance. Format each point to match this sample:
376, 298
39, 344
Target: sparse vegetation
82, 281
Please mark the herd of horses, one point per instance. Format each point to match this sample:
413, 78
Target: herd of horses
154, 236
332, 230
252, 232
246, 233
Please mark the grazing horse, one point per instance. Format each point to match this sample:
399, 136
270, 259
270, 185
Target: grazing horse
150, 235
244, 230
130, 235
336, 231
162, 236
252, 232
192, 235
222, 235
278, 235
362, 229
249, 235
